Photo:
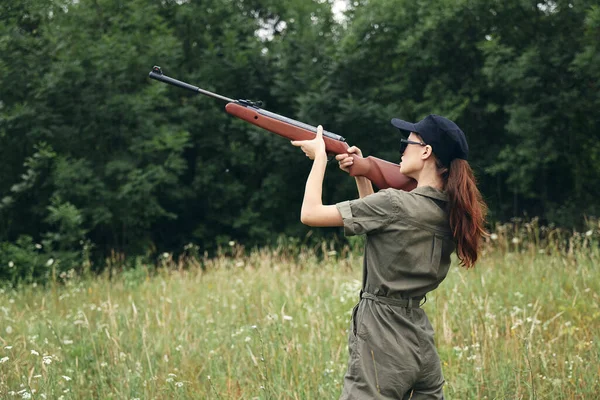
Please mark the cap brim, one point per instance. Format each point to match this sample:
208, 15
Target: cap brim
403, 125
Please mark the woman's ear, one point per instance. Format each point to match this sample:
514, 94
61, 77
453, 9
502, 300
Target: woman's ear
427, 152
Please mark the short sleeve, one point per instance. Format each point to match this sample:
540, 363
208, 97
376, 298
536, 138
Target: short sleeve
368, 214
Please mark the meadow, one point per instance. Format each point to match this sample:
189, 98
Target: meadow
272, 324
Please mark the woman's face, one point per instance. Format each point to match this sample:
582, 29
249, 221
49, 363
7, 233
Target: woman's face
411, 161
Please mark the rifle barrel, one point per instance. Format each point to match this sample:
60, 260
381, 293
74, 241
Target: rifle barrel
157, 74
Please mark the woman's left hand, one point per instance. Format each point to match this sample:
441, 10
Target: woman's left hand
312, 148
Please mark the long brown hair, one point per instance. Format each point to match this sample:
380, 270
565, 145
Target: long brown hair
467, 210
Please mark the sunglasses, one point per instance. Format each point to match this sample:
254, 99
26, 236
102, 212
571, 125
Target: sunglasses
404, 144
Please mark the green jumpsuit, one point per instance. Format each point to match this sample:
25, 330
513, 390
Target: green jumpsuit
407, 254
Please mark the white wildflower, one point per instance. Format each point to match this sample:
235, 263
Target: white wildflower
38, 246
4, 359
170, 380
287, 318
494, 236
47, 360
66, 378
589, 233
179, 384
247, 339
518, 323
231, 243
9, 329
516, 240
8, 347
35, 353
11, 264
49, 262
26, 395
37, 376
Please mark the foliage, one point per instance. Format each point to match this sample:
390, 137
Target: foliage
92, 151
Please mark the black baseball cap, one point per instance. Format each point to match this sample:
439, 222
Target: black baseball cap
446, 139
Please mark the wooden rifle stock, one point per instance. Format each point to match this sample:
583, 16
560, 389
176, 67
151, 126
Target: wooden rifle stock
383, 174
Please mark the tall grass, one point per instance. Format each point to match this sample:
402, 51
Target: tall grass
272, 324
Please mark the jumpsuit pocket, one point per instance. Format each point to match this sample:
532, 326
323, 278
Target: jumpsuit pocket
354, 311
436, 253
358, 324
364, 320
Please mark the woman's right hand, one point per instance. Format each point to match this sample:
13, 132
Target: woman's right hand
345, 159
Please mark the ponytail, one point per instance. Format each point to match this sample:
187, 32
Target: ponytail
467, 210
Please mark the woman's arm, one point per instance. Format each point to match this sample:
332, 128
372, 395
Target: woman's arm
313, 212
364, 185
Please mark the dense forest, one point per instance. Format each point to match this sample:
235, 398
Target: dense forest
100, 163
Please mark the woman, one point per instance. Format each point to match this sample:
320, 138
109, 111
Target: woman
410, 236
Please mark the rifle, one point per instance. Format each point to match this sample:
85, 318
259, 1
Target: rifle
383, 174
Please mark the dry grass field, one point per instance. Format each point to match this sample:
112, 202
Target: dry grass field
272, 324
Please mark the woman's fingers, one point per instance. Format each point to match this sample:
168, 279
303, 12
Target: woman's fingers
320, 132
345, 162
354, 150
312, 147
